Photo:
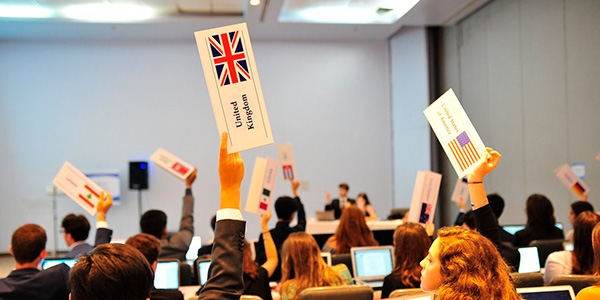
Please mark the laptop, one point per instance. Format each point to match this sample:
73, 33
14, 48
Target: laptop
326, 215
326, 257
559, 292
166, 276
51, 262
202, 267
372, 264
512, 229
192, 253
530, 260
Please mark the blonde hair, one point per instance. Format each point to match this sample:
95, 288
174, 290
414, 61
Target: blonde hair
302, 262
472, 268
353, 231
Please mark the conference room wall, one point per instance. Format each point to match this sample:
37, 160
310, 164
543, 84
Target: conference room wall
527, 74
100, 104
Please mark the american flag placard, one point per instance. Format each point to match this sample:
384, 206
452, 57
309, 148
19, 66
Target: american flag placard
456, 133
78, 187
234, 87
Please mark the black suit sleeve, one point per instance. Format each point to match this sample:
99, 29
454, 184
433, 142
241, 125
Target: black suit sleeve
335, 206
301, 226
103, 236
487, 224
261, 256
225, 279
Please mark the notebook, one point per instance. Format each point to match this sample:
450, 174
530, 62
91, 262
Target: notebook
530, 260
559, 292
203, 265
372, 264
166, 275
51, 262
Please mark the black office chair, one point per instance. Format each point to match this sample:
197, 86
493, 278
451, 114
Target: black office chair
343, 259
545, 247
522, 280
354, 292
185, 274
578, 282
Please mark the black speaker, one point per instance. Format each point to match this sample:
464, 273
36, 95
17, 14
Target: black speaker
138, 175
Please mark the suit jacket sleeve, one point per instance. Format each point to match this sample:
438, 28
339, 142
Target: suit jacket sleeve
103, 236
335, 206
487, 224
179, 242
225, 280
301, 226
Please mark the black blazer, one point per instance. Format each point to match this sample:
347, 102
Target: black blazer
103, 236
335, 206
225, 275
33, 284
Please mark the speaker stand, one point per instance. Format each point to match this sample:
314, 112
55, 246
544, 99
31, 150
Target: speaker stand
140, 202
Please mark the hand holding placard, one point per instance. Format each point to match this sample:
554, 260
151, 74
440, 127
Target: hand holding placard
78, 187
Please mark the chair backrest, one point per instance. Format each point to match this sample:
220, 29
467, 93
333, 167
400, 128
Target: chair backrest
405, 292
343, 259
578, 282
185, 274
522, 280
354, 292
545, 247
250, 297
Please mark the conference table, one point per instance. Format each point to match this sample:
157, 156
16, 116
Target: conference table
383, 231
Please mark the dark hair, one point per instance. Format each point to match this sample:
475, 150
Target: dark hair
111, 271
540, 211
77, 225
583, 253
147, 244
411, 244
581, 206
353, 231
364, 195
154, 222
285, 206
27, 242
496, 204
250, 266
213, 222
345, 186
469, 220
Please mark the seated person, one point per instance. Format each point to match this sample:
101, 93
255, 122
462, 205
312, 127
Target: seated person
351, 232
540, 222
256, 277
76, 228
580, 261
362, 201
154, 222
411, 243
303, 267
205, 250
593, 292
463, 264
118, 272
149, 246
285, 208
576, 208
338, 204
28, 247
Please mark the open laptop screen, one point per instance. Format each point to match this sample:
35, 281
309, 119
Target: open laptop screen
372, 263
51, 262
560, 292
203, 266
166, 275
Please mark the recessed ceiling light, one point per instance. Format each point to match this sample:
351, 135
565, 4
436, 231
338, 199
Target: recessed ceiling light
106, 12
24, 11
255, 2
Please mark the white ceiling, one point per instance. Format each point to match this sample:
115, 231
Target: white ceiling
203, 14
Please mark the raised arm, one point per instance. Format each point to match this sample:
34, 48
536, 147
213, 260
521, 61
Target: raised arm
103, 234
225, 274
485, 221
272, 260
301, 226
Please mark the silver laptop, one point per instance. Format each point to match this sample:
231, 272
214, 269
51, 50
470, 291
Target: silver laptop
530, 260
326, 215
559, 292
372, 264
166, 275
203, 265
51, 262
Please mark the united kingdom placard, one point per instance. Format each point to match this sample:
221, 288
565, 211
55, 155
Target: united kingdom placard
234, 88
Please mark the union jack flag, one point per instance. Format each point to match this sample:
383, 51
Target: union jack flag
464, 151
229, 58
